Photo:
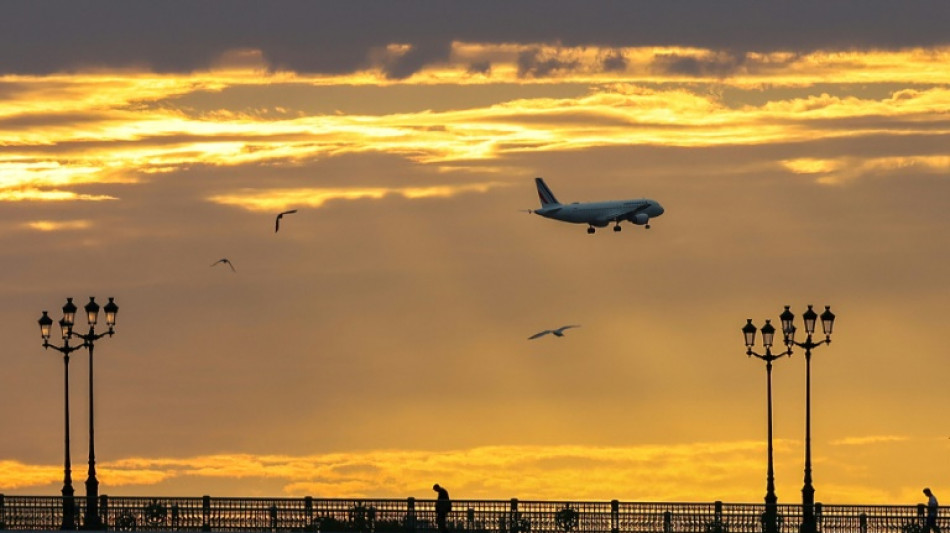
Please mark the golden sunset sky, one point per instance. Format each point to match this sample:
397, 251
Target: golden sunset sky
378, 343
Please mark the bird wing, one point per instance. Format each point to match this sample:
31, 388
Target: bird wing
540, 334
230, 265
279, 215
562, 328
218, 261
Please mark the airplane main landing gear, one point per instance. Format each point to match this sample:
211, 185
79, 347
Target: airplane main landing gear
617, 227
590, 229
647, 226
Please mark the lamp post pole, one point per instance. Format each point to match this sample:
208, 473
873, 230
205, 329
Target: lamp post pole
809, 524
69, 502
770, 518
91, 520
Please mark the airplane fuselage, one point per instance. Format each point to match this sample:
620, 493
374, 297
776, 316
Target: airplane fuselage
600, 214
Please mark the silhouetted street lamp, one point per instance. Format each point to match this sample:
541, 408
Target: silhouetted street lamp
770, 518
827, 323
91, 519
69, 503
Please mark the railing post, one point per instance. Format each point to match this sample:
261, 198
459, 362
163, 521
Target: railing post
614, 516
174, 516
863, 522
920, 514
817, 516
3, 514
667, 522
206, 513
514, 523
273, 517
104, 511
308, 512
411, 515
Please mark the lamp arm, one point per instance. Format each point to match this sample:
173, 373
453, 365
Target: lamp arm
809, 344
91, 336
65, 350
768, 356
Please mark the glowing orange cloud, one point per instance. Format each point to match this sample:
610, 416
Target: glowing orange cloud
683, 472
62, 131
277, 199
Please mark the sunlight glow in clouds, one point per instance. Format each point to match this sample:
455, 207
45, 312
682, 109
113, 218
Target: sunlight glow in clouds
61, 131
653, 472
277, 199
682, 472
53, 225
842, 170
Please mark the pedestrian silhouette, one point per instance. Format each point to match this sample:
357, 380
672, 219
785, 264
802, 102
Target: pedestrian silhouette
932, 507
442, 507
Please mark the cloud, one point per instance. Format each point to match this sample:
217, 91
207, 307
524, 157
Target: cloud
334, 38
868, 440
718, 65
55, 225
697, 471
414, 58
538, 64
277, 199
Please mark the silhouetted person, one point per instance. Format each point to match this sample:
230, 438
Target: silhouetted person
932, 507
443, 505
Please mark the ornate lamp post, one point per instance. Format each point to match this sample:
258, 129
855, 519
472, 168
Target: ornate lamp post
91, 519
809, 524
69, 503
770, 518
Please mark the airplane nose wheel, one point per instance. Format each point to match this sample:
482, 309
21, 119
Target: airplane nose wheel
647, 226
590, 229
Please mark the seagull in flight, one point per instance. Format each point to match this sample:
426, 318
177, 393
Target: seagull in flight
226, 261
559, 332
279, 216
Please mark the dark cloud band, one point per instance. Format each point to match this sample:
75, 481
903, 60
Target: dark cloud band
179, 36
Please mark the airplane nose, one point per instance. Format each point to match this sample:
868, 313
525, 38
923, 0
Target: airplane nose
659, 210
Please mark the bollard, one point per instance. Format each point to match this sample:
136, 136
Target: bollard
863, 521
614, 516
667, 522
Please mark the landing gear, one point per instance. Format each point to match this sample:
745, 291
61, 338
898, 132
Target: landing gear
617, 227
590, 229
647, 226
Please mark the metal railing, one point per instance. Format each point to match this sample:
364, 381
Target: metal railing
467, 516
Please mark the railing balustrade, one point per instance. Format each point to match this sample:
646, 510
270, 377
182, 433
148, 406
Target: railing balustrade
337, 515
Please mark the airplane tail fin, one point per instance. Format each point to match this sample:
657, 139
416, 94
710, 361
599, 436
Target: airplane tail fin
547, 197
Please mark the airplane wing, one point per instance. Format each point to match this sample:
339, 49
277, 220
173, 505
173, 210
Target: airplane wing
625, 213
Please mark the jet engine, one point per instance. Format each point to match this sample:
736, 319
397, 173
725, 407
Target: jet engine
640, 219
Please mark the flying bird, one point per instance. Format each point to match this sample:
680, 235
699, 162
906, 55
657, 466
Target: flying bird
226, 261
279, 216
559, 332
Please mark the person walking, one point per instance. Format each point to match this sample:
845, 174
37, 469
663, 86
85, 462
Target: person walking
443, 505
932, 507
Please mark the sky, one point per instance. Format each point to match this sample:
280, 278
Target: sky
378, 343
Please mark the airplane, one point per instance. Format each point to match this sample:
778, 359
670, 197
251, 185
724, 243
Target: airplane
597, 214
